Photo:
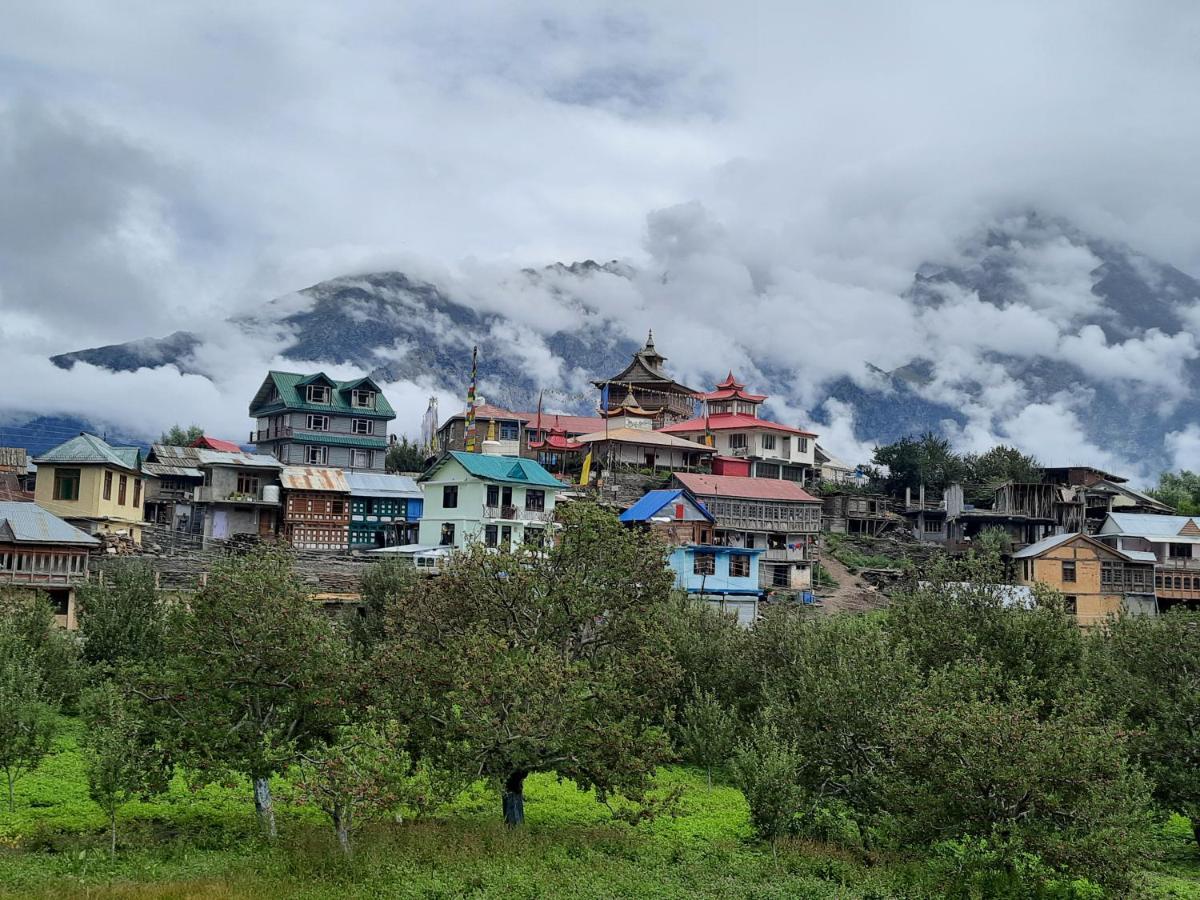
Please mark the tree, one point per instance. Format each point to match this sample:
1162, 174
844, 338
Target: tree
180, 436
122, 618
987, 471
27, 720
384, 585
122, 759
927, 460
708, 731
28, 618
403, 456
516, 662
255, 674
1180, 490
1148, 670
765, 769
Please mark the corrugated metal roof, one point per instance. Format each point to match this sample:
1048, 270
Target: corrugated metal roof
1141, 555
286, 383
505, 469
212, 443
314, 478
339, 440
742, 487
653, 501
1040, 547
374, 484
161, 470
644, 438
30, 524
241, 459
1150, 525
88, 448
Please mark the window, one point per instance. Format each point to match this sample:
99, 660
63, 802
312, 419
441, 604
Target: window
137, 492
705, 564
932, 526
363, 400
739, 566
337, 507
1068, 571
1112, 574
450, 496
247, 484
493, 495
318, 423
510, 431
447, 534
122, 489
318, 393
535, 501
1179, 551
1070, 605
491, 535
768, 442
786, 448
107, 485
737, 441
66, 484
801, 445
362, 426
781, 576
316, 456
360, 459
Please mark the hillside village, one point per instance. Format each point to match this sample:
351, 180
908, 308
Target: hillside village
752, 511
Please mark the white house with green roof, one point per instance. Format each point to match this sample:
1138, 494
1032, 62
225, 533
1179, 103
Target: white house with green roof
500, 501
93, 485
313, 420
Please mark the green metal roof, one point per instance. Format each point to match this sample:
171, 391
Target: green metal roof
288, 385
506, 469
87, 449
362, 441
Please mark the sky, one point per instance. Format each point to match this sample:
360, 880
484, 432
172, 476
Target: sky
777, 171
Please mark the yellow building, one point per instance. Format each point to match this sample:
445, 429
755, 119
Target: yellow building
93, 485
1098, 581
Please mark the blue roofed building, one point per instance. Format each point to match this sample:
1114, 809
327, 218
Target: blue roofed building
384, 510
724, 576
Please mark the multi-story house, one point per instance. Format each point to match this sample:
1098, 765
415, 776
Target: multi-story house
1174, 542
518, 433
499, 501
316, 508
312, 420
93, 485
172, 476
724, 576
775, 516
384, 510
1097, 580
40, 551
239, 494
645, 384
732, 425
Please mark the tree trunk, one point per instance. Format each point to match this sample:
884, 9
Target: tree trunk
514, 799
12, 803
264, 807
709, 777
341, 827
112, 833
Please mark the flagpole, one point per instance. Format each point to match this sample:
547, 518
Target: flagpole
471, 400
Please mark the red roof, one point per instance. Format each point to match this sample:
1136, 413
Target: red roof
567, 424
746, 488
555, 440
212, 443
728, 422
487, 411
732, 389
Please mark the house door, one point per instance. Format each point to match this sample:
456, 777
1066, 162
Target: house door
266, 522
506, 502
220, 524
506, 537
649, 459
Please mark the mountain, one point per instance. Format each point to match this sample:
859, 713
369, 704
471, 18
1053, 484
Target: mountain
1028, 313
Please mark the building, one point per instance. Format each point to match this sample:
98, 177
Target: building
956, 525
500, 501
830, 469
239, 494
518, 433
642, 449
733, 426
172, 477
646, 384
384, 510
1096, 579
40, 551
1174, 542
857, 514
93, 485
316, 508
726, 577
1095, 493
14, 472
206, 442
312, 420
775, 516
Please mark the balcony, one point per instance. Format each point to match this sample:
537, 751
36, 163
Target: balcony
789, 554
209, 494
1180, 564
512, 514
270, 434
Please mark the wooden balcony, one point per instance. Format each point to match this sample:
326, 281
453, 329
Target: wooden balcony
512, 514
789, 554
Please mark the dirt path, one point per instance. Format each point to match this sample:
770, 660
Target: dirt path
852, 594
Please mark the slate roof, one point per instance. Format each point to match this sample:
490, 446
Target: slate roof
741, 487
504, 469
373, 484
653, 501
1149, 525
730, 421
287, 383
88, 449
28, 523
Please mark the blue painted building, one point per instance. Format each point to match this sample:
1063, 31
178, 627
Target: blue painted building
385, 510
724, 576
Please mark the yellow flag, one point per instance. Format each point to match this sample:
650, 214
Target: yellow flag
586, 473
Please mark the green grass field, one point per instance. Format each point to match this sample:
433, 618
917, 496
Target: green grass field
203, 844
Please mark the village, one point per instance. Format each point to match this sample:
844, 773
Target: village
745, 505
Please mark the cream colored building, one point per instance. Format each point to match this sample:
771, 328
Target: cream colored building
93, 485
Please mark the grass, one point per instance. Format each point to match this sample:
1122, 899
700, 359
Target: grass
203, 844
848, 550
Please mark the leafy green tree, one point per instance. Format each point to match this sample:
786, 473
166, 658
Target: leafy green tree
404, 456
122, 618
517, 662
1148, 669
710, 648
1180, 490
987, 471
927, 460
28, 618
27, 719
765, 769
180, 436
385, 584
122, 758
255, 674
708, 731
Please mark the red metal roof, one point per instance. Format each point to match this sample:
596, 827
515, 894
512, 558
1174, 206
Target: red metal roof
732, 389
569, 424
745, 488
728, 422
555, 440
212, 443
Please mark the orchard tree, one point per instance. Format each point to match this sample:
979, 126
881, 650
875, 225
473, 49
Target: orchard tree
708, 731
256, 674
28, 619
517, 662
122, 617
181, 436
27, 720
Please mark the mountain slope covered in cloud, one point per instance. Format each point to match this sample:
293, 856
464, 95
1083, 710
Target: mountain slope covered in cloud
1030, 332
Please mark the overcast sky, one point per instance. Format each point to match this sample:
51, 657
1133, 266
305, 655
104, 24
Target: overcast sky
163, 165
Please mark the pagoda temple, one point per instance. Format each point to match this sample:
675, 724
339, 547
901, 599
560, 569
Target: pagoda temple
645, 386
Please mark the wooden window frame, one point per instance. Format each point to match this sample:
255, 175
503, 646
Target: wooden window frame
317, 422
63, 478
739, 565
450, 496
317, 393
122, 490
1068, 565
108, 480
704, 564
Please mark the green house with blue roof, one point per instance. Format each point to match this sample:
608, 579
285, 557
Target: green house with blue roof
313, 420
499, 501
